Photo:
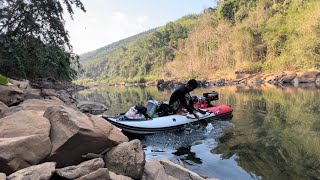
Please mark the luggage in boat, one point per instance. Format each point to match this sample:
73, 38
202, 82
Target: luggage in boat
134, 114
164, 110
151, 107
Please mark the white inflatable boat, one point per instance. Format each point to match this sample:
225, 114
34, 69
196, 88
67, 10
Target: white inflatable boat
158, 124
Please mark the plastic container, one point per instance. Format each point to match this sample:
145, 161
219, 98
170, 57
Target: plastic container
151, 107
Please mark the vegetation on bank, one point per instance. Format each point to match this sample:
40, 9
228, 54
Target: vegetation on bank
252, 36
142, 59
33, 40
3, 80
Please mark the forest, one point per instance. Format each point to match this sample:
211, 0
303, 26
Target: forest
237, 35
34, 42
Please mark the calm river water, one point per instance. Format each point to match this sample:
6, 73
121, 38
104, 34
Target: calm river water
274, 134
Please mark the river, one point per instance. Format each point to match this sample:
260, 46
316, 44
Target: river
274, 134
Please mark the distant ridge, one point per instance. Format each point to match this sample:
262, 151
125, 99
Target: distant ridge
113, 46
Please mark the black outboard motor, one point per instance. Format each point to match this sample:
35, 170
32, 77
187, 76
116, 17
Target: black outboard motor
213, 96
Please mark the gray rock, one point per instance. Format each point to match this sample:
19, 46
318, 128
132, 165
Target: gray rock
38, 172
10, 110
20, 84
100, 174
74, 134
114, 176
127, 159
11, 95
179, 172
153, 170
24, 140
40, 104
3, 107
91, 107
32, 94
48, 92
85, 168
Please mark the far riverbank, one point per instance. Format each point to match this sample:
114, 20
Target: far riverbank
308, 79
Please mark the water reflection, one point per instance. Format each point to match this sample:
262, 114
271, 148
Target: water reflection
274, 134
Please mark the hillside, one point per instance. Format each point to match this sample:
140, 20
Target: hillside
111, 47
140, 59
252, 36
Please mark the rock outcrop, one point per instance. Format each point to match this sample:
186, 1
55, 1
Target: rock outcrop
74, 134
178, 172
11, 95
83, 169
24, 140
154, 170
40, 104
38, 172
91, 107
127, 159
100, 174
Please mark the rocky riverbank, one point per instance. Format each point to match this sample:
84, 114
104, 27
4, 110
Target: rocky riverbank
308, 79
47, 134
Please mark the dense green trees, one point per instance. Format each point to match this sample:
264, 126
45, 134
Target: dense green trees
245, 35
33, 40
142, 59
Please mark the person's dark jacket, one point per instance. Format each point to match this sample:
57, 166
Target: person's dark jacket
180, 94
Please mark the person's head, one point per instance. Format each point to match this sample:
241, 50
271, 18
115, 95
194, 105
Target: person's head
192, 84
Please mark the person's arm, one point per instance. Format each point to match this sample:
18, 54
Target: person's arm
183, 101
189, 109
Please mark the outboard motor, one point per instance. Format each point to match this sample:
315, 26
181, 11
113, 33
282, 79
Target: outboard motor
212, 96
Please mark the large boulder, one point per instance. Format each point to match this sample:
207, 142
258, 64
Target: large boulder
154, 170
11, 95
91, 107
38, 172
178, 171
24, 140
100, 174
85, 168
127, 159
40, 104
74, 134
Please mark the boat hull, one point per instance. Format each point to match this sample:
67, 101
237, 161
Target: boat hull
156, 125
169, 123
221, 112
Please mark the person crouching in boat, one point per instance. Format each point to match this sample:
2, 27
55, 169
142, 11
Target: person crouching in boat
180, 100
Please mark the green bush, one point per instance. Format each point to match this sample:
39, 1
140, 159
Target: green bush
3, 80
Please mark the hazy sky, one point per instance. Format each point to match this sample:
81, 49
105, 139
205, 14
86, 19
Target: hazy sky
108, 21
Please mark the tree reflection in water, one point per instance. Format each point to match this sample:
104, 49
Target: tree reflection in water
276, 132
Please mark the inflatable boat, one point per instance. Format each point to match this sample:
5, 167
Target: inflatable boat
170, 122
157, 124
221, 112
165, 122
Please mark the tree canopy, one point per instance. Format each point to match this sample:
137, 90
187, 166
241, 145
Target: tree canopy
33, 40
